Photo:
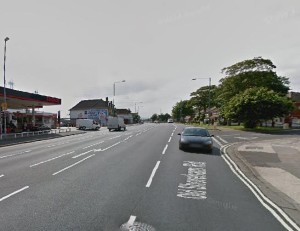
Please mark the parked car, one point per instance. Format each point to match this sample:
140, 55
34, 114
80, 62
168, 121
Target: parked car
170, 120
44, 128
195, 138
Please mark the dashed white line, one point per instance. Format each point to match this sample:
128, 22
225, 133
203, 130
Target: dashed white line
152, 174
16, 154
1, 175
64, 169
169, 140
93, 145
51, 159
101, 150
13, 193
165, 149
82, 154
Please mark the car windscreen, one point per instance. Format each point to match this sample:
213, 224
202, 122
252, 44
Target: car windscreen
195, 132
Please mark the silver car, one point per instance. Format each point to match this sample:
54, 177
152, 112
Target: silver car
195, 138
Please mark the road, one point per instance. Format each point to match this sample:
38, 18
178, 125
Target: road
139, 178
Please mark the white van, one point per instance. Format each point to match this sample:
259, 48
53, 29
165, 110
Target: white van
115, 123
83, 124
170, 120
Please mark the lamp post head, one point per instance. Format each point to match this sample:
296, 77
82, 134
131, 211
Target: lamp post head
6, 39
193, 79
123, 81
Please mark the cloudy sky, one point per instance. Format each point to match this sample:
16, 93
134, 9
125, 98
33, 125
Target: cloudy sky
76, 50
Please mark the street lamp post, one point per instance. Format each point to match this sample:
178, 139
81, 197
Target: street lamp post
114, 89
135, 106
209, 88
4, 85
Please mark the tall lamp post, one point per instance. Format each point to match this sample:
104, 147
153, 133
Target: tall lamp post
209, 87
135, 106
115, 94
4, 85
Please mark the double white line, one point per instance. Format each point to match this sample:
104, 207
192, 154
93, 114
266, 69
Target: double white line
274, 209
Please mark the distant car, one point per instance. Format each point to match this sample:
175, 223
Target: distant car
170, 120
195, 138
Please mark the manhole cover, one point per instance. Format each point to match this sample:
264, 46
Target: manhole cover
137, 226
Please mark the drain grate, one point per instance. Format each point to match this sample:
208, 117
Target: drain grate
137, 226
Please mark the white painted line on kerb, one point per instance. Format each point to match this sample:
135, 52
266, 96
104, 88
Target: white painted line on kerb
152, 174
82, 154
1, 175
170, 139
165, 149
64, 169
33, 165
15, 192
218, 142
224, 141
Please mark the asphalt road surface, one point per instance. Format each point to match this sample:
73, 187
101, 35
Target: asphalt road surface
130, 180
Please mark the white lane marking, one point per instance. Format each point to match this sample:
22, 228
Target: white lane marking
165, 149
101, 150
64, 169
127, 138
131, 220
218, 142
93, 145
195, 186
1, 175
114, 137
224, 141
169, 139
15, 154
258, 194
33, 165
82, 154
138, 134
152, 174
246, 138
172, 134
13, 193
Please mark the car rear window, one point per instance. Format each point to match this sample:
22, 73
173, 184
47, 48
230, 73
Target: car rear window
195, 132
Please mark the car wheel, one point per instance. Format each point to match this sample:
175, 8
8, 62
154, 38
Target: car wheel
83, 128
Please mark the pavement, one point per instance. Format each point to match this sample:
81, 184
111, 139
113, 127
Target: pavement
274, 166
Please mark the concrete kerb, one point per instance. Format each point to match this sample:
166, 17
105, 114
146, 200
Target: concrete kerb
282, 200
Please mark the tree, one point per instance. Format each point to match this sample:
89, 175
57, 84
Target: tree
136, 118
203, 98
164, 117
256, 72
154, 117
182, 109
256, 104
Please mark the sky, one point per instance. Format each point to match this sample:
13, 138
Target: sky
76, 50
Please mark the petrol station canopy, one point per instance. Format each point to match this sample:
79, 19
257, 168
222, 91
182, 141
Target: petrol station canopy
22, 100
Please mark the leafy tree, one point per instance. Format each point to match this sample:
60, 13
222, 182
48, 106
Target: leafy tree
164, 117
182, 109
256, 72
154, 117
256, 104
203, 98
136, 118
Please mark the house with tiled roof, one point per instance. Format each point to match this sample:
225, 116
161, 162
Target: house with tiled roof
96, 109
